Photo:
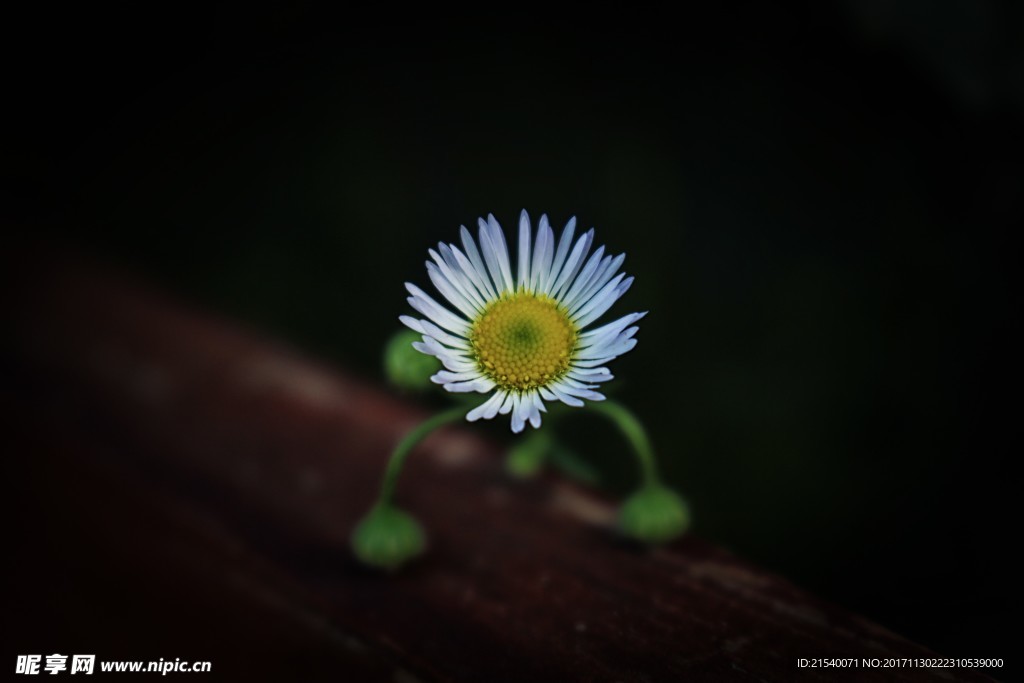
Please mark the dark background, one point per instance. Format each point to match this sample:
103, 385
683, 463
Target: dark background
816, 201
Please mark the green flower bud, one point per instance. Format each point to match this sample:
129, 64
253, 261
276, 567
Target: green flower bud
654, 514
387, 538
406, 367
527, 456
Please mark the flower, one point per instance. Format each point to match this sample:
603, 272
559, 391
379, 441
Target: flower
407, 368
522, 340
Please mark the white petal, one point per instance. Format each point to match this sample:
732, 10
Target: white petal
437, 313
498, 237
604, 274
488, 409
542, 255
579, 294
447, 377
583, 279
506, 407
432, 347
492, 244
575, 384
428, 328
451, 269
600, 374
615, 347
565, 388
414, 324
480, 386
597, 298
523, 281
563, 250
452, 360
450, 291
610, 330
566, 398
478, 265
490, 255
573, 264
479, 282
535, 407
621, 347
593, 362
603, 300
518, 421
525, 408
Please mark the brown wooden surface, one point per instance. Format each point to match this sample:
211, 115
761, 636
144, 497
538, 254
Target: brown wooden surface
182, 488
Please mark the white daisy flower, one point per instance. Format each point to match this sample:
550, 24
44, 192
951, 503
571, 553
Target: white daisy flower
521, 338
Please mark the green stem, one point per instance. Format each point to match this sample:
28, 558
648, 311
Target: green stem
405, 446
633, 430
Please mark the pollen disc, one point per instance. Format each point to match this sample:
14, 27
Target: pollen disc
523, 341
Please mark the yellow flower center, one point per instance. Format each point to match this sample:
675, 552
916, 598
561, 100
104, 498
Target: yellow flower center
523, 341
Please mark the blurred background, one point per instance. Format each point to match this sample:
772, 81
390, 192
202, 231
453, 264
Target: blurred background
816, 202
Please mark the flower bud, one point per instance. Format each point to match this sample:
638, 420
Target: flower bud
406, 367
527, 456
654, 514
387, 538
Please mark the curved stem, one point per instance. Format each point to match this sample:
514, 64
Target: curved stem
634, 431
405, 446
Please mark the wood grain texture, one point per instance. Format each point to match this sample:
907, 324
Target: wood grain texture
187, 490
